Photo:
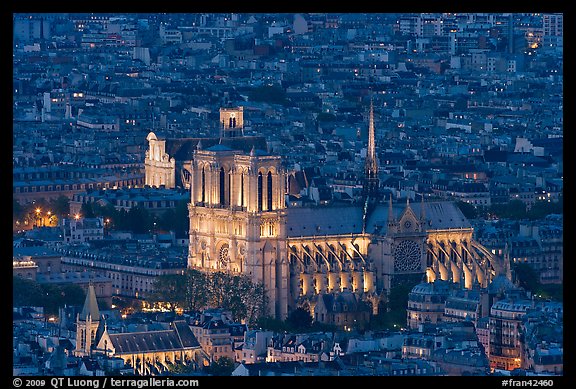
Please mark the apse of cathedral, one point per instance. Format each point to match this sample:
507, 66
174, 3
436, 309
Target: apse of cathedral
240, 223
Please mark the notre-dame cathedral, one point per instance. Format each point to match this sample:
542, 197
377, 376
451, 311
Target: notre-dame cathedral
240, 223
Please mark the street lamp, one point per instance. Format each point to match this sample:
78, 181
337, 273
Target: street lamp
106, 225
38, 210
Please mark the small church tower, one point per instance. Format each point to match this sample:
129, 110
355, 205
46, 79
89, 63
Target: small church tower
231, 122
87, 323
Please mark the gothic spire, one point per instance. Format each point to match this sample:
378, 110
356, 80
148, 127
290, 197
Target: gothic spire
390, 211
90, 305
371, 145
422, 209
371, 163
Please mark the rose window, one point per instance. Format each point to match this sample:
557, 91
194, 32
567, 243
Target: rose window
407, 256
224, 255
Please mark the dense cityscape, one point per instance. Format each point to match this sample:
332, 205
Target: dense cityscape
313, 194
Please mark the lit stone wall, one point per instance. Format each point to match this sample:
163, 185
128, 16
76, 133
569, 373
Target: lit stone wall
159, 167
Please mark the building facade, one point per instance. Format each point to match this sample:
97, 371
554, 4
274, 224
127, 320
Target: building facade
505, 335
159, 167
426, 303
79, 230
240, 223
154, 352
129, 278
217, 334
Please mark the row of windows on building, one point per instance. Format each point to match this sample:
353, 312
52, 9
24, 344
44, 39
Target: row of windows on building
477, 202
130, 203
225, 195
84, 238
145, 268
65, 187
52, 175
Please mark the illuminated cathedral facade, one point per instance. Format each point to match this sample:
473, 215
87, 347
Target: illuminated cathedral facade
240, 223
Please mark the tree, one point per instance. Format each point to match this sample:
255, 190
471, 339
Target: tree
17, 209
109, 214
245, 300
398, 297
540, 209
50, 296
551, 291
256, 301
196, 284
392, 313
139, 220
268, 94
218, 289
527, 277
272, 324
127, 304
299, 319
71, 294
170, 289
166, 221
61, 206
56, 296
181, 220
461, 103
176, 219
467, 209
196, 290
108, 211
326, 117
121, 221
25, 292
86, 210
181, 369
223, 366
514, 209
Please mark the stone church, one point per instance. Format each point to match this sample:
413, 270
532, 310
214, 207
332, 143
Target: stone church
240, 223
146, 352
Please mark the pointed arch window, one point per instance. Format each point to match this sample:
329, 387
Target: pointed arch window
203, 185
222, 187
242, 190
269, 191
229, 196
260, 191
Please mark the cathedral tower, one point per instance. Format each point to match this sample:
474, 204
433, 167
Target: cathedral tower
231, 122
159, 166
237, 215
